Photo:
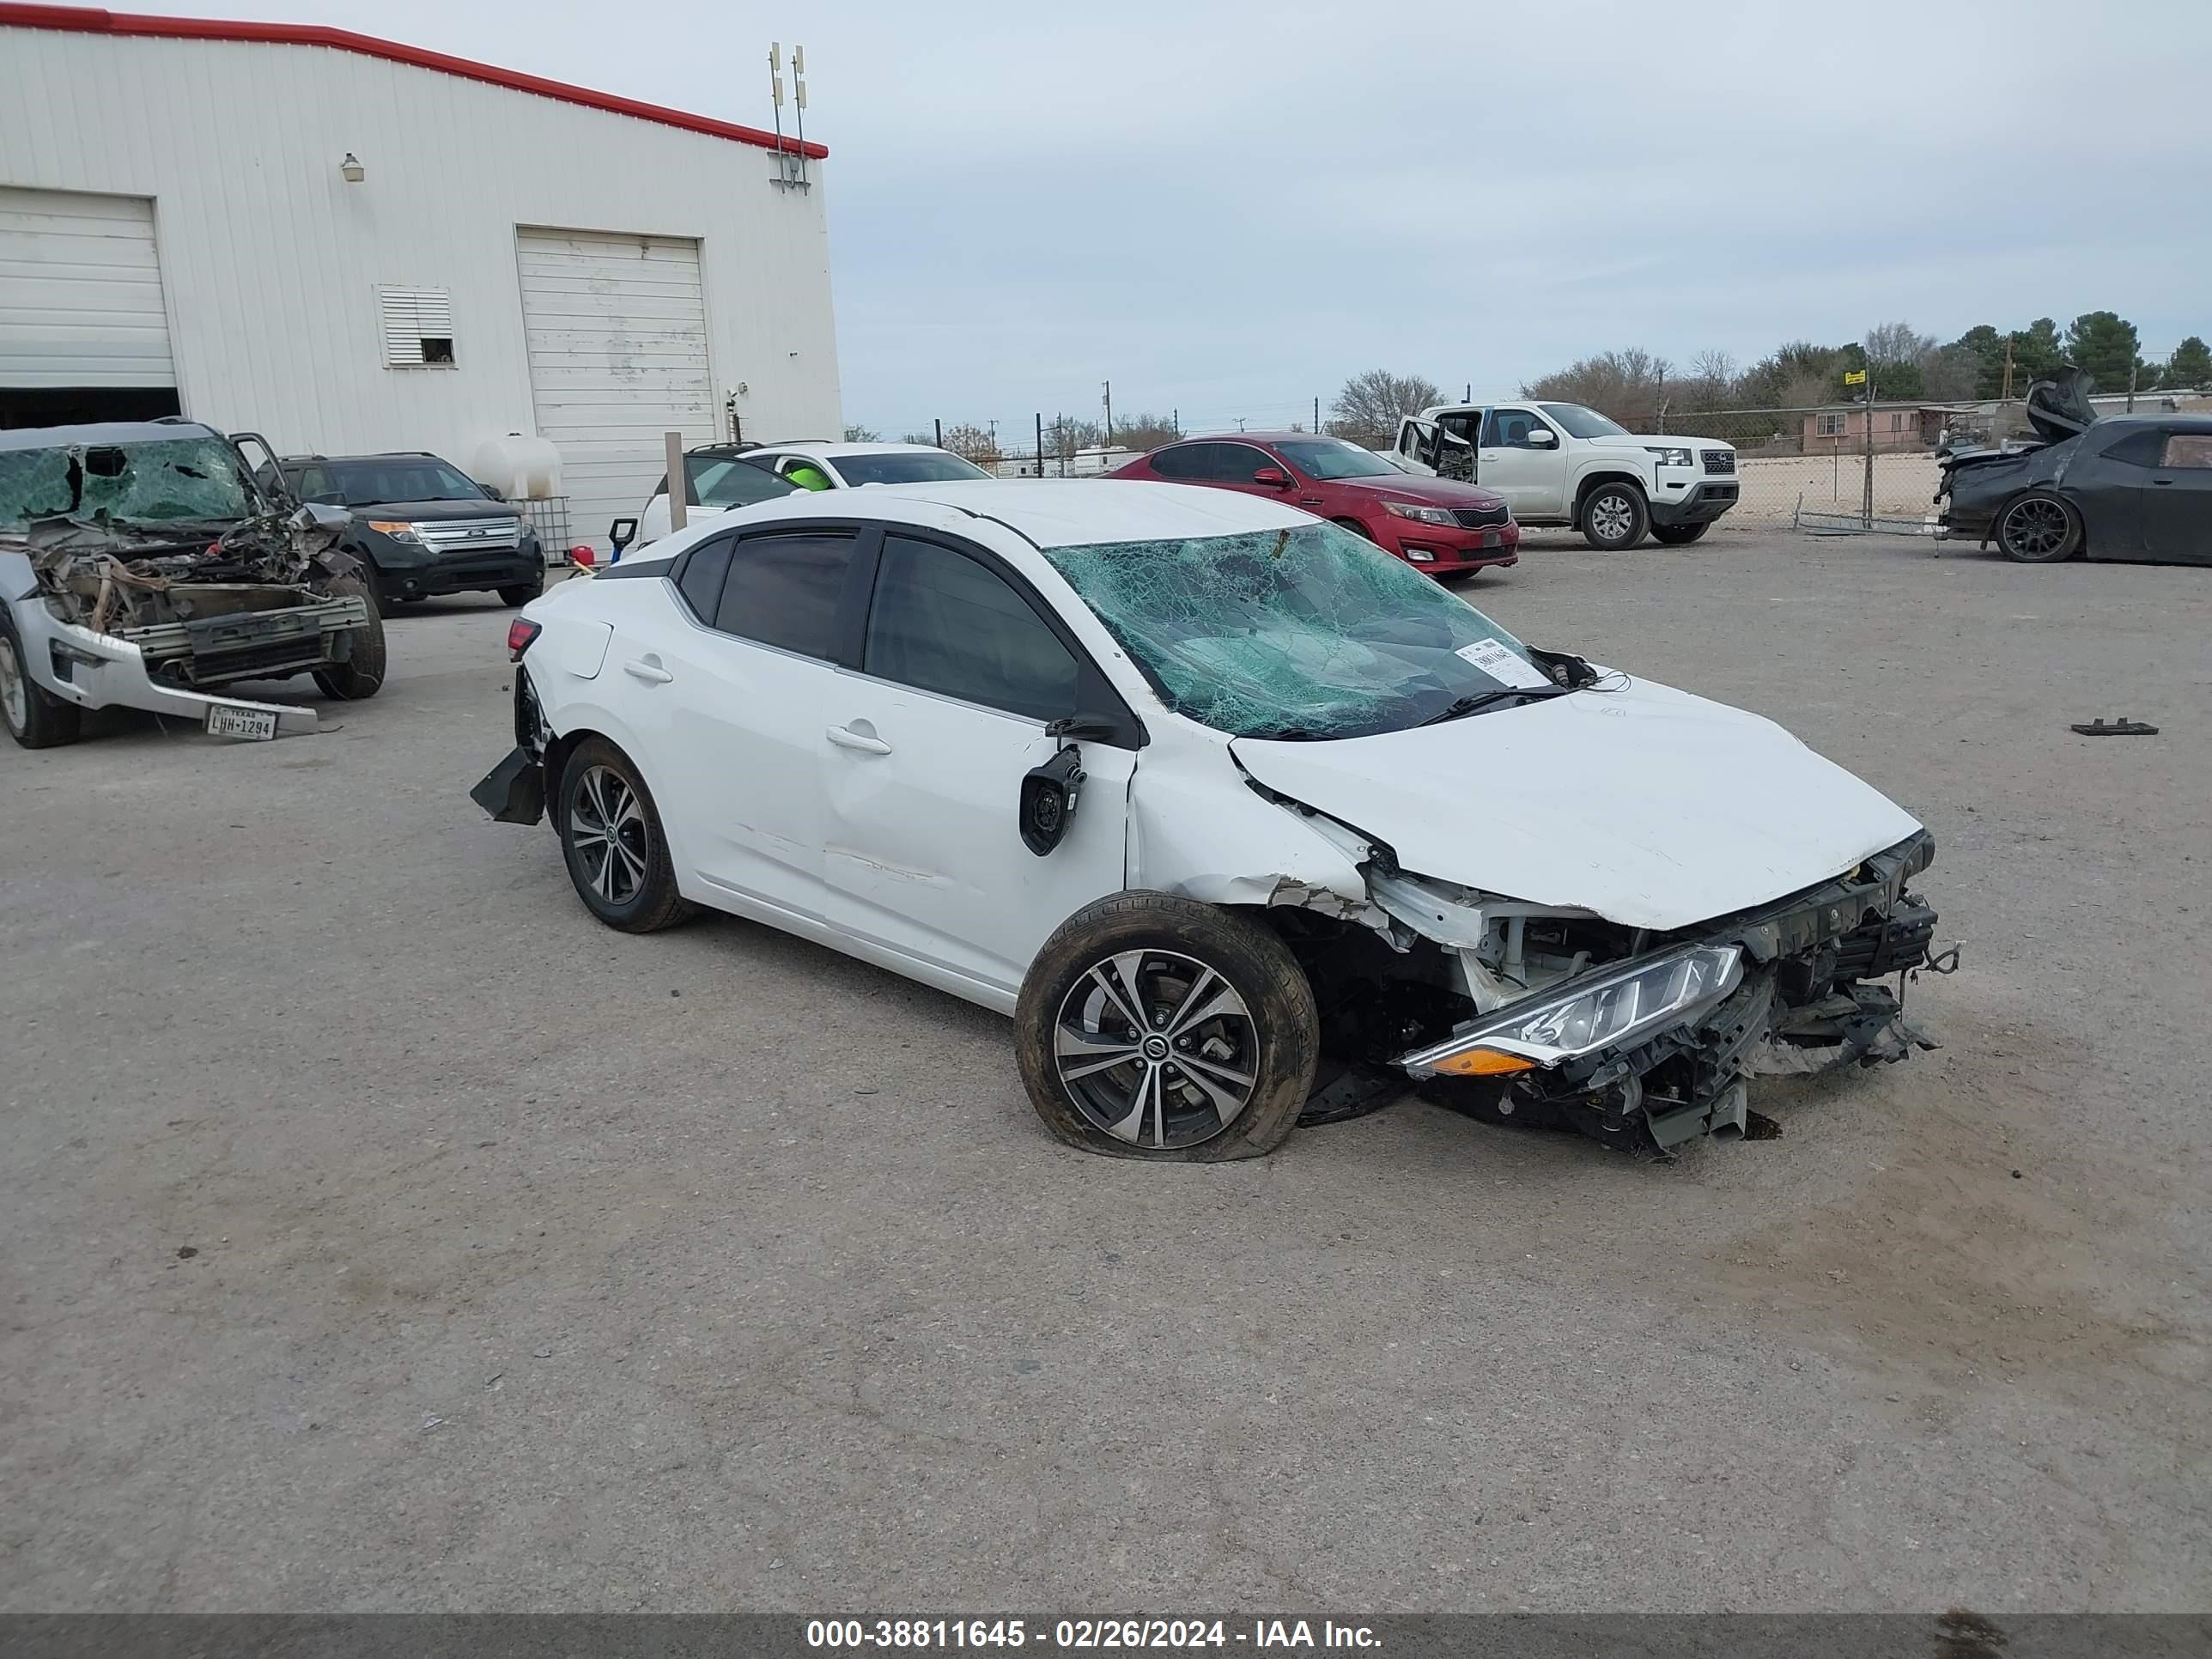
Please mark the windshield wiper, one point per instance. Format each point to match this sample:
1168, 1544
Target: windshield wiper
1478, 701
1286, 734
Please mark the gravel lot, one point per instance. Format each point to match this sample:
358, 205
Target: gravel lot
378, 1231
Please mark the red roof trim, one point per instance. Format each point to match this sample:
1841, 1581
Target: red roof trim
85, 20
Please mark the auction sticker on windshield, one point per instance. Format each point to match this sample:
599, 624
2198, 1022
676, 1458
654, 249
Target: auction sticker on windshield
1497, 659
226, 719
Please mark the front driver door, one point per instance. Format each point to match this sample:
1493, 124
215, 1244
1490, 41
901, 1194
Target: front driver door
1531, 477
2178, 501
928, 743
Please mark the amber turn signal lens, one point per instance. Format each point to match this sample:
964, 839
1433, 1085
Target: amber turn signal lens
1483, 1062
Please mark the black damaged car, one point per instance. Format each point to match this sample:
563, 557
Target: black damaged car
423, 526
2127, 487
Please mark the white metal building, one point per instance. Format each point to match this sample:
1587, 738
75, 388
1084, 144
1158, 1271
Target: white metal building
350, 245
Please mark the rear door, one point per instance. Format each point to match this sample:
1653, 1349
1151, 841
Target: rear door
731, 699
2178, 501
961, 667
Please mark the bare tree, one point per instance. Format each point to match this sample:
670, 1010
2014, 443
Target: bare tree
1066, 434
1887, 344
1368, 409
1143, 432
1626, 385
863, 434
972, 443
919, 438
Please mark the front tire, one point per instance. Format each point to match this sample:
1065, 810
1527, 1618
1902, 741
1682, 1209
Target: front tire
1680, 535
610, 837
518, 594
2040, 528
1356, 528
1156, 1027
361, 676
35, 716
1615, 517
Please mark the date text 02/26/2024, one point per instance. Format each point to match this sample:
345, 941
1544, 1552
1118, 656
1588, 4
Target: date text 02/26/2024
1085, 1635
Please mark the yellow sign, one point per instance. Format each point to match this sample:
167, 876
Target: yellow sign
1854, 377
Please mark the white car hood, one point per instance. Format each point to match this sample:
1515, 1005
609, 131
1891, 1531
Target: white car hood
1659, 441
1648, 805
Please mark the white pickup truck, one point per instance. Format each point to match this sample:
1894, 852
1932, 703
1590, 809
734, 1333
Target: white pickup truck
1561, 464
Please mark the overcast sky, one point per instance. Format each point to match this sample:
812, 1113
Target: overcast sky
1227, 208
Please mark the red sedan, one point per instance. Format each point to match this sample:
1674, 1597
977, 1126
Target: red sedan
1444, 527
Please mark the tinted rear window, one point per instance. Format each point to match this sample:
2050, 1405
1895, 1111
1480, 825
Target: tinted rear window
784, 591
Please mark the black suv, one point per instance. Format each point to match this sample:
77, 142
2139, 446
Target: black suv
423, 526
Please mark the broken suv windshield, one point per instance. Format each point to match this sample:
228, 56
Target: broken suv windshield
1309, 632
176, 481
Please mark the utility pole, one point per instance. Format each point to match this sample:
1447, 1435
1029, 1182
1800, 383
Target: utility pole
940, 435
1316, 425
1469, 396
1040, 472
1109, 415
1866, 501
1175, 416
2004, 392
2132, 370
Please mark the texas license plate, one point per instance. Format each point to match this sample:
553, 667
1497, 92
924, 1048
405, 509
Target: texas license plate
252, 725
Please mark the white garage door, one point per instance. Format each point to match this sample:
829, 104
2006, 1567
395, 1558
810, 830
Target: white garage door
80, 292
617, 328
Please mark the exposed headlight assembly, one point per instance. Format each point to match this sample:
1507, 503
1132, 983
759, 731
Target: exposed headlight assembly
1600, 1011
1420, 514
1671, 456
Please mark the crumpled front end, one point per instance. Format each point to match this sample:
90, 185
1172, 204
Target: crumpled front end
1660, 1047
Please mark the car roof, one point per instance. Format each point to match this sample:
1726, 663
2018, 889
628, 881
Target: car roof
2130, 422
104, 432
830, 451
1049, 512
375, 455
1251, 438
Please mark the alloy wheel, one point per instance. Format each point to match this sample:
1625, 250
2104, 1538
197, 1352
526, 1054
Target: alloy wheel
1157, 1049
1610, 517
15, 696
607, 826
2037, 526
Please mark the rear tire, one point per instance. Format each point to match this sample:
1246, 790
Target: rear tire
611, 838
361, 676
1680, 535
35, 716
1615, 517
1151, 1026
2038, 528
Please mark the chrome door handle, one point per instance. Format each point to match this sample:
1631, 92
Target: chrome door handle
845, 737
648, 671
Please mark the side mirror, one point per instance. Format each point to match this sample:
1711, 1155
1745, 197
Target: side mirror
320, 515
1272, 477
1541, 437
493, 491
621, 532
1048, 801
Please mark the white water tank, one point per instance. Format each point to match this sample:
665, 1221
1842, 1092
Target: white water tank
521, 468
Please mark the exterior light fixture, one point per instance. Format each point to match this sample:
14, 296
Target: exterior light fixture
351, 170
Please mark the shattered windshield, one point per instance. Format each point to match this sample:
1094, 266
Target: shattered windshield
182, 480
1311, 632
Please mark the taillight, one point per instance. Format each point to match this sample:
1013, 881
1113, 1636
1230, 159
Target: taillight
519, 632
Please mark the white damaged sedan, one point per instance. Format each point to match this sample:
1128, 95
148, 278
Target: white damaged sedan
1217, 800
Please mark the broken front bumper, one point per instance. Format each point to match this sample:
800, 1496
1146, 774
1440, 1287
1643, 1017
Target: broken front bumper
100, 671
1784, 989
